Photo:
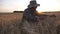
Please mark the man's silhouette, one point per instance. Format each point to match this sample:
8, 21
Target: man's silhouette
29, 18
30, 13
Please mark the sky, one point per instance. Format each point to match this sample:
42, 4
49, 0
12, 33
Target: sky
21, 5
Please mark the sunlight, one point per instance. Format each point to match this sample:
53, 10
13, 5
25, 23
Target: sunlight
40, 12
48, 5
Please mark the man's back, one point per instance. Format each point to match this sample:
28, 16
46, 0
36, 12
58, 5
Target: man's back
29, 15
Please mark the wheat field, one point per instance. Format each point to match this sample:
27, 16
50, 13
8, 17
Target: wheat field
10, 23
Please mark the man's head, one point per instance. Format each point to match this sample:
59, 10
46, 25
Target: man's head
33, 4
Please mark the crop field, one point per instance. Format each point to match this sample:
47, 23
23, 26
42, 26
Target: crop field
10, 22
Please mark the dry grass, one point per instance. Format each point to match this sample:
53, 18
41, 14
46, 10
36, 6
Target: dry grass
9, 23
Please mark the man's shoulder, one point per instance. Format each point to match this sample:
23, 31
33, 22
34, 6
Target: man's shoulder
27, 10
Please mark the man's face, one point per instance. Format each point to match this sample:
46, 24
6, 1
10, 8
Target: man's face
34, 8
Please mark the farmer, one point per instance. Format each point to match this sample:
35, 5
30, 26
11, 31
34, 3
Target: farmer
29, 18
30, 13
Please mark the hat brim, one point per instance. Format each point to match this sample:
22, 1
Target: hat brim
29, 6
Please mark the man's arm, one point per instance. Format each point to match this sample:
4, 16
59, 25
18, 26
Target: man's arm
36, 13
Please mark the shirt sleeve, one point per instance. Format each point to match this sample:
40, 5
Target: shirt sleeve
36, 13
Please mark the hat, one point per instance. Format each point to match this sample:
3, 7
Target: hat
33, 4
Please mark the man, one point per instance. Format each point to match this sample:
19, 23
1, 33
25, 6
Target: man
30, 13
29, 19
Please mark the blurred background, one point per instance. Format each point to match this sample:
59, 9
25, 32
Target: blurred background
21, 5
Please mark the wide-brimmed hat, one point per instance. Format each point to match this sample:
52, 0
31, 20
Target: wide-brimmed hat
33, 4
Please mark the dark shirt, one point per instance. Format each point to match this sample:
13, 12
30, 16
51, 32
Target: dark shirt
30, 15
